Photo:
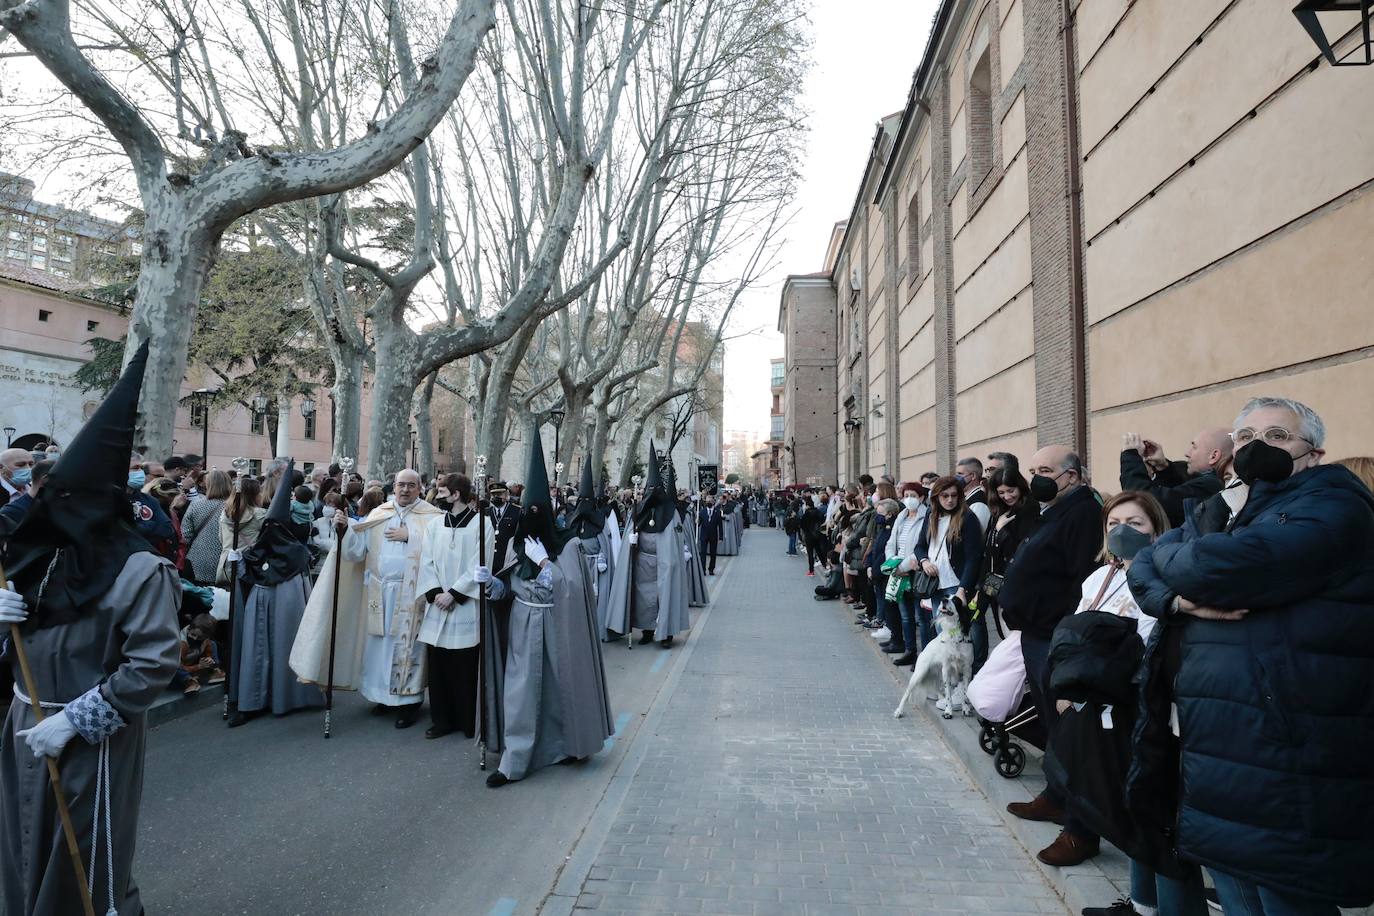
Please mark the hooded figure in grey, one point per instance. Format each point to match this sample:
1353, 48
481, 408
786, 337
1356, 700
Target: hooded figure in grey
593, 525
274, 585
554, 703
731, 528
652, 594
101, 638
697, 595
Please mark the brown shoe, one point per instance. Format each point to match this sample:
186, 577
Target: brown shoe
1068, 849
1039, 809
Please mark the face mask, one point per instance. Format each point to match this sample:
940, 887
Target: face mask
1258, 460
873, 499
301, 512
911, 503
1124, 542
137, 479
328, 511
22, 476
1044, 489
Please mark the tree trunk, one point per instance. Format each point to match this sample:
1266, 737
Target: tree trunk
348, 403
574, 421
632, 449
424, 427
178, 252
601, 429
393, 386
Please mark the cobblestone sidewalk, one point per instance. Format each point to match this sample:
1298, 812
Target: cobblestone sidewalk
777, 781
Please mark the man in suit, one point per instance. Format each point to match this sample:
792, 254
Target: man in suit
709, 522
505, 519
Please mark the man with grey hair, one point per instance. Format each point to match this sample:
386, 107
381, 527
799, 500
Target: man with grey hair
1265, 669
379, 613
1043, 586
1144, 468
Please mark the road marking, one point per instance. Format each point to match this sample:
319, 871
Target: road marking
504, 907
658, 664
621, 721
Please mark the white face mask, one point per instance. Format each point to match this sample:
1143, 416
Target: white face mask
911, 503
328, 511
873, 499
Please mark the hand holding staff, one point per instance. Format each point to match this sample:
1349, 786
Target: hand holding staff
346, 467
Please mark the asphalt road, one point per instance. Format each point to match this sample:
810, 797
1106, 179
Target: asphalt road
272, 819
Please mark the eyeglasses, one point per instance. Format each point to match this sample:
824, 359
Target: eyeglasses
1274, 435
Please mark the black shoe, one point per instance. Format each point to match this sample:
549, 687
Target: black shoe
569, 761
435, 731
895, 650
408, 715
1121, 907
886, 644
237, 718
379, 710
646, 637
906, 658
497, 780
666, 643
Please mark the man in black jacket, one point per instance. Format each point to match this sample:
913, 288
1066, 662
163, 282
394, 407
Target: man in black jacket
1043, 585
709, 523
1144, 468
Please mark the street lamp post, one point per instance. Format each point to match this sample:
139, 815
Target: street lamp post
201, 397
556, 418
9, 435
412, 446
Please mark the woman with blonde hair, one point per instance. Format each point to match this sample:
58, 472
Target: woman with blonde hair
239, 524
949, 550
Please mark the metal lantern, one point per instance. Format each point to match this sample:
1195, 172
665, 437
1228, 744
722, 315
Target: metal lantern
260, 403
308, 407
1308, 13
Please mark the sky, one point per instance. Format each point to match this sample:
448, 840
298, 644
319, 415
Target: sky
865, 53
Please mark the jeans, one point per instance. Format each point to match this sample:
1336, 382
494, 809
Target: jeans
792, 544
978, 632
892, 616
908, 615
1240, 897
1170, 896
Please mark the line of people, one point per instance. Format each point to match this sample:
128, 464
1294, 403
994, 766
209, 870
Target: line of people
1197, 646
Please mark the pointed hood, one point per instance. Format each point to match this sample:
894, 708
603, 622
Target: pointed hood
99, 453
656, 509
536, 510
79, 532
588, 517
281, 498
278, 554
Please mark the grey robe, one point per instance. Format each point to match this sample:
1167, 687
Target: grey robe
731, 527
555, 702
264, 631
594, 550
697, 595
130, 647
653, 593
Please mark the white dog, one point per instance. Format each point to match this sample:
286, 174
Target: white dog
951, 654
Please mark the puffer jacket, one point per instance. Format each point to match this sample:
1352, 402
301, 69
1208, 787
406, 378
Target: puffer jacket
1276, 711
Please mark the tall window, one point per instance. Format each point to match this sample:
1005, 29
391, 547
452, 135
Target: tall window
255, 467
310, 427
779, 375
257, 425
913, 234
980, 116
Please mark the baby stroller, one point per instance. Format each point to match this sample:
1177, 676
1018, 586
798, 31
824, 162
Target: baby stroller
1005, 710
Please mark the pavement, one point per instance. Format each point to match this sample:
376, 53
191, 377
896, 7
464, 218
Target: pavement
757, 769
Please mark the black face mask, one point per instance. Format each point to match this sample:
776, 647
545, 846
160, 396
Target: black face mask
1258, 460
1124, 542
1045, 489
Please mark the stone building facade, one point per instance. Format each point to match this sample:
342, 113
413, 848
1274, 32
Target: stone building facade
1103, 217
807, 389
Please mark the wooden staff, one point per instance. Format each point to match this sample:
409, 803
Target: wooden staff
345, 466
54, 775
482, 634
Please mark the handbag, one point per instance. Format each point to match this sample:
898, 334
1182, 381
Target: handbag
992, 584
924, 585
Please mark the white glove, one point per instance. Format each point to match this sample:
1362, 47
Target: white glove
535, 551
12, 606
634, 537
234, 556
47, 738
482, 575
601, 565
686, 553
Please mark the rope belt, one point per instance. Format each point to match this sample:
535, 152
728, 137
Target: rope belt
531, 603
102, 807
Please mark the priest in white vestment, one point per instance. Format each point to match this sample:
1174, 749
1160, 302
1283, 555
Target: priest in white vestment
378, 648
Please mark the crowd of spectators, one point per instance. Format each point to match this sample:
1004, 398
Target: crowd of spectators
1198, 645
